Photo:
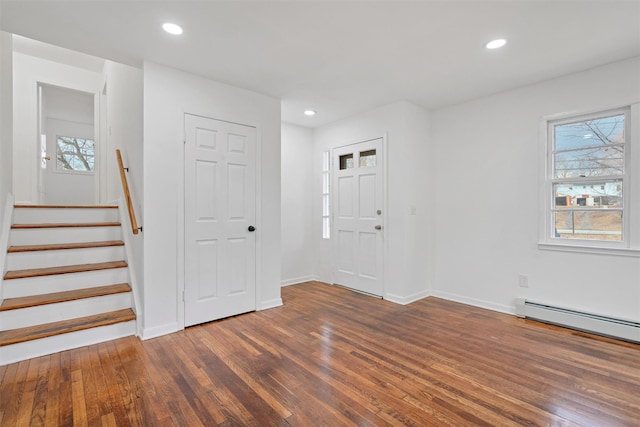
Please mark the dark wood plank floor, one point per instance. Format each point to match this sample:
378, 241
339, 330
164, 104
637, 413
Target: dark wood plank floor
331, 357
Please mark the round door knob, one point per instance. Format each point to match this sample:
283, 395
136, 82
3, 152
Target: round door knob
251, 228
378, 227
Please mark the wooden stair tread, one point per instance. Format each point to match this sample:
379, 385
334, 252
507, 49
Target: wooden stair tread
47, 271
76, 294
15, 336
66, 224
65, 206
57, 246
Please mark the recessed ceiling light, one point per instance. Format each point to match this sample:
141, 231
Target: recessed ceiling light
309, 113
495, 44
172, 28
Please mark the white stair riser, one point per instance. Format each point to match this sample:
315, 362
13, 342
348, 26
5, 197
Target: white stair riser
42, 259
29, 349
43, 236
63, 282
41, 215
25, 317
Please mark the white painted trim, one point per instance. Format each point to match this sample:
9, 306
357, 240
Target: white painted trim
99, 160
259, 226
474, 302
97, 138
385, 211
127, 236
4, 238
104, 137
180, 231
408, 299
298, 280
272, 303
624, 103
158, 331
589, 249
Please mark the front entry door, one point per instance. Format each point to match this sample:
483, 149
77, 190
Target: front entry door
220, 214
357, 212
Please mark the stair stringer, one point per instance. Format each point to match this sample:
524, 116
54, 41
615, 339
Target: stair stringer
136, 288
4, 240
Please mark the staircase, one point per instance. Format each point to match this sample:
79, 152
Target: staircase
67, 281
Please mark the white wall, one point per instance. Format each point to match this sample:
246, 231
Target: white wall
298, 243
6, 134
69, 105
122, 109
6, 119
27, 72
168, 94
406, 127
487, 211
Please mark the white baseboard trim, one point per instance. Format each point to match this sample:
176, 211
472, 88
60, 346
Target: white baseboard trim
158, 331
408, 299
298, 280
272, 303
474, 302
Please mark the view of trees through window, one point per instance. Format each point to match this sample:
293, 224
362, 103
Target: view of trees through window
75, 154
588, 166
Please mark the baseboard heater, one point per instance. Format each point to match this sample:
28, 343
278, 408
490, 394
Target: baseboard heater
602, 325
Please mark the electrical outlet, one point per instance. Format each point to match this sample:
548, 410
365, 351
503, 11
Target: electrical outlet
523, 281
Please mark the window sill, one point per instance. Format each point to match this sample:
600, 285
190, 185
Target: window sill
600, 250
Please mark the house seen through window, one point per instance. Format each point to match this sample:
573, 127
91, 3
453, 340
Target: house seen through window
587, 176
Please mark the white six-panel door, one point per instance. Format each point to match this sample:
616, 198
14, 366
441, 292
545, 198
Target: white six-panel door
220, 213
357, 216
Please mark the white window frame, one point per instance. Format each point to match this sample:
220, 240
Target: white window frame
630, 243
326, 195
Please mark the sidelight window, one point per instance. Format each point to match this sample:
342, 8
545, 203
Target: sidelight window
326, 211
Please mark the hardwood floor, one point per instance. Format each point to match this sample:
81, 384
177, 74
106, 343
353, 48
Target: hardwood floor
331, 357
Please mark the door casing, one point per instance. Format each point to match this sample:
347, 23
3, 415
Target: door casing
99, 186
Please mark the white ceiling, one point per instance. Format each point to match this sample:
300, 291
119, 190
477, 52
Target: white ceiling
50, 52
344, 57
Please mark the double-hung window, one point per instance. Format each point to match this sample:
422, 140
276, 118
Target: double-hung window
588, 180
